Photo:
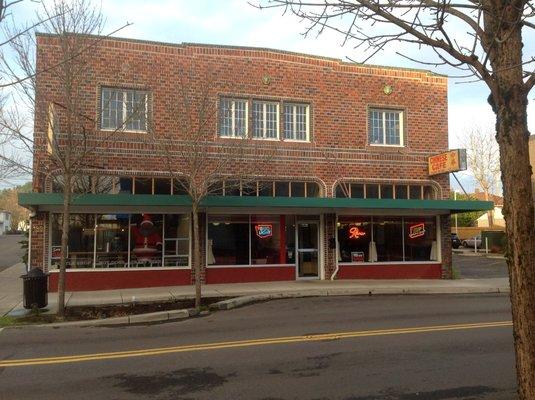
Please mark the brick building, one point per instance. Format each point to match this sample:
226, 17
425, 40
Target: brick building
344, 193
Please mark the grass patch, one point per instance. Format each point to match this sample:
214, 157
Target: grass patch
7, 321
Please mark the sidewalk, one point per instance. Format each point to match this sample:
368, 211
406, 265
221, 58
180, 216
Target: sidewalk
286, 289
11, 288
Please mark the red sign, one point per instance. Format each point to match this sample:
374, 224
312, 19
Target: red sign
56, 252
355, 232
357, 256
264, 231
417, 230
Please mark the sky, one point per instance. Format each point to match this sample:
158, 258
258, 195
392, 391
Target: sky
236, 22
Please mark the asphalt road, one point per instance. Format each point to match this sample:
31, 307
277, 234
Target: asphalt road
449, 362
477, 267
10, 251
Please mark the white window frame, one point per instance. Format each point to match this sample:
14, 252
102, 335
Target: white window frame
294, 122
233, 118
401, 126
123, 92
264, 120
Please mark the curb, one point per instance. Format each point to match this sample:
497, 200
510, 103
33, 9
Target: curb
176, 315
245, 300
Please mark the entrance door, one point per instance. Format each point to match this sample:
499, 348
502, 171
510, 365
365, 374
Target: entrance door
307, 250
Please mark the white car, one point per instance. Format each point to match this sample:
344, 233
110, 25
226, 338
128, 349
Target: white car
476, 240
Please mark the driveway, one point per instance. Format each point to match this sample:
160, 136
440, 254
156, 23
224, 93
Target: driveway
10, 251
480, 267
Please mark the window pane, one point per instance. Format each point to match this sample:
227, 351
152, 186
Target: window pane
162, 186
388, 238
112, 109
295, 121
216, 189
240, 118
232, 188
180, 187
176, 250
298, 189
265, 189
248, 188
135, 110
401, 191
225, 117
420, 239
143, 186
429, 193
112, 241
258, 119
354, 237
125, 184
81, 240
288, 122
342, 190
372, 191
313, 189
106, 184
265, 120
282, 189
415, 191
146, 240
387, 192
268, 239
357, 191
392, 125
228, 240
376, 127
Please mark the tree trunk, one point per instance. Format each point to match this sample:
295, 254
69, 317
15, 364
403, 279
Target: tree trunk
64, 244
490, 213
509, 101
197, 256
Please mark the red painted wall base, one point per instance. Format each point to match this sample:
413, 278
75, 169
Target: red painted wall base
107, 280
249, 274
400, 271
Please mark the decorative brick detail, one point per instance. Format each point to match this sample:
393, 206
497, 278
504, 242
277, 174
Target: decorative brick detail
329, 254
39, 246
445, 229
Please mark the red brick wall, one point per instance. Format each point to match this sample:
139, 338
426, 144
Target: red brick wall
339, 94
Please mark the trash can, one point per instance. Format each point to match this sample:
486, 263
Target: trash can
35, 289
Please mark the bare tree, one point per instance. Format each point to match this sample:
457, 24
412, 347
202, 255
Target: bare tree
483, 158
199, 163
484, 41
67, 143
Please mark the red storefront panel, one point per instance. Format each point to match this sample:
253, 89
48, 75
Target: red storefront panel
107, 280
391, 271
249, 274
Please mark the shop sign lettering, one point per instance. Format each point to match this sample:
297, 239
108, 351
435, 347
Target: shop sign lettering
355, 232
357, 256
264, 231
450, 161
416, 231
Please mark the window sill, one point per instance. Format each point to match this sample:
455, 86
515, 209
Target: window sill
123, 130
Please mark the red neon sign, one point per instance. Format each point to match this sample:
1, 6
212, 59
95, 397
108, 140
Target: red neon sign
355, 232
417, 230
264, 231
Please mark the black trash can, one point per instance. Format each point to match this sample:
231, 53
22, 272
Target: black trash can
35, 289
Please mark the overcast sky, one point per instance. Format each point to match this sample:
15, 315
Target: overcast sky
235, 22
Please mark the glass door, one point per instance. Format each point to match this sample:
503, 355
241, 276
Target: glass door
307, 250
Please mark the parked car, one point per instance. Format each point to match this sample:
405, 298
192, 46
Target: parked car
455, 241
476, 240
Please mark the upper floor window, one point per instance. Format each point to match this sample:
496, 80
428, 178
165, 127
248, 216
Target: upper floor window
124, 109
385, 127
233, 118
265, 120
296, 122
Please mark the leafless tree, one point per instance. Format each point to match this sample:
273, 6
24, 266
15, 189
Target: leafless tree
483, 158
483, 40
199, 162
69, 143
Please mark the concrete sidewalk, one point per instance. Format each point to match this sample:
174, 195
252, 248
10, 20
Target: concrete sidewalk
11, 288
286, 289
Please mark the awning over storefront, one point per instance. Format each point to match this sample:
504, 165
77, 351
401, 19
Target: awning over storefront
89, 202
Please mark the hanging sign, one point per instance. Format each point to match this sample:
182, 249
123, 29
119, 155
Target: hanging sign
417, 230
355, 232
450, 161
264, 231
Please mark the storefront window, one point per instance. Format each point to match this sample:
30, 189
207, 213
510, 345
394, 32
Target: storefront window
388, 232
143, 186
176, 243
112, 241
272, 238
146, 240
81, 241
420, 239
354, 238
228, 240
387, 192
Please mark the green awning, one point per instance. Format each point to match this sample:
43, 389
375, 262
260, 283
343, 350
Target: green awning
47, 200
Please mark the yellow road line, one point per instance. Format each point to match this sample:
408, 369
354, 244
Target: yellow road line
245, 343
